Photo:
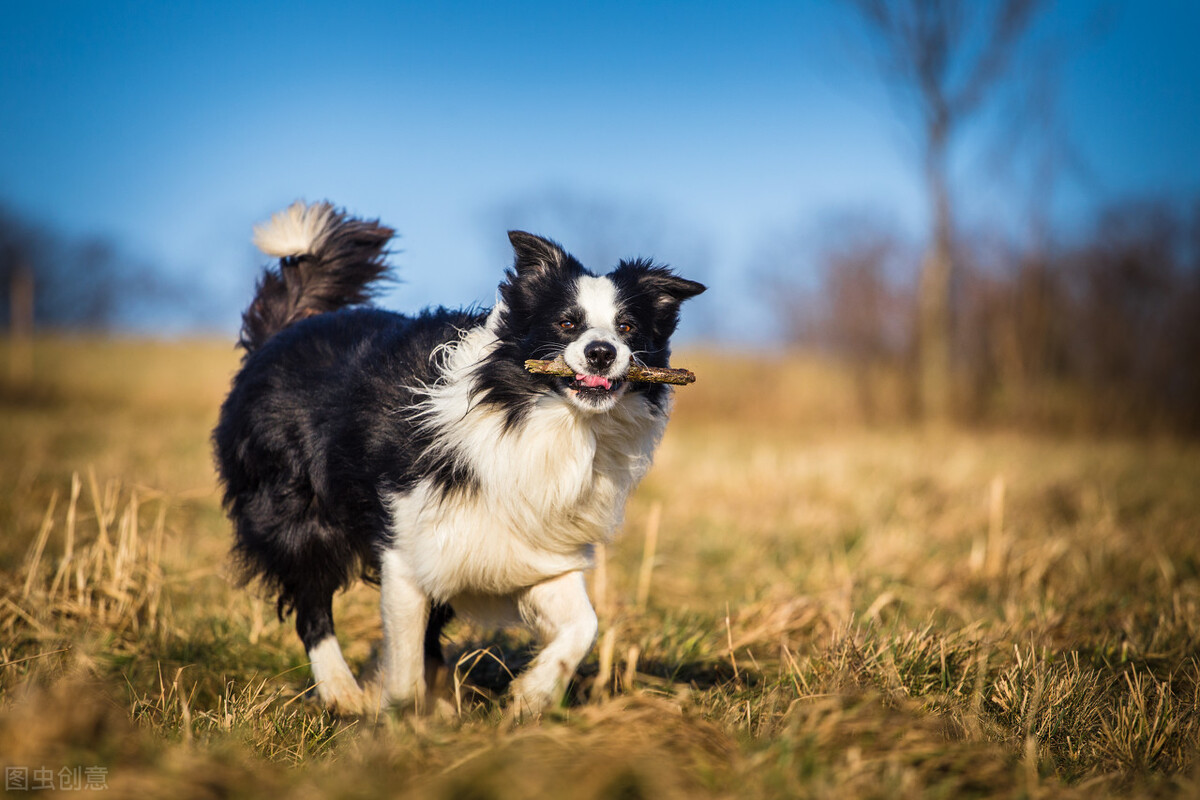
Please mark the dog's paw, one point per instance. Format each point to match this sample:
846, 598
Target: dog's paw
443, 709
342, 696
528, 703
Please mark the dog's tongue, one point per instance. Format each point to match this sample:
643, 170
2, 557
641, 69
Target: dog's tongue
592, 381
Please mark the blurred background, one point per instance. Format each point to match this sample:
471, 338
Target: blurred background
983, 212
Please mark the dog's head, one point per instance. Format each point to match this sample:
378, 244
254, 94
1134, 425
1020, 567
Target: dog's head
600, 324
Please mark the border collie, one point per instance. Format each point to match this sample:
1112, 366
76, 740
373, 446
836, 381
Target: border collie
416, 450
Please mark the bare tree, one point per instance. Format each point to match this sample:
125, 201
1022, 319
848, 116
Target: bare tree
20, 343
81, 284
841, 285
944, 59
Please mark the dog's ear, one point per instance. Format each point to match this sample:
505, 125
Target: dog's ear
658, 287
540, 271
668, 289
665, 290
534, 255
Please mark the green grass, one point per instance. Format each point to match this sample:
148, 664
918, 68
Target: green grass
833, 610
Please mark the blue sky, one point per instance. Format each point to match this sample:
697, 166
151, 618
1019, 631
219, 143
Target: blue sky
702, 130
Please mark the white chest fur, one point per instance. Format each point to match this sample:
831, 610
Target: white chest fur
548, 488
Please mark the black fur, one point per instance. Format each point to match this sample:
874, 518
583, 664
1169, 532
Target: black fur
319, 422
338, 273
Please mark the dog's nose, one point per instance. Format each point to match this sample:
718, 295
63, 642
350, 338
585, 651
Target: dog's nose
600, 355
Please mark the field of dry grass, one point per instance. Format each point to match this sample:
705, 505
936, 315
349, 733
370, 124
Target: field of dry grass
799, 606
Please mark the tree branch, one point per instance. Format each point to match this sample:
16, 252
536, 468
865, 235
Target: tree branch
677, 377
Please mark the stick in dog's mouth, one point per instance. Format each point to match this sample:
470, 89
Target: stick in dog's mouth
676, 377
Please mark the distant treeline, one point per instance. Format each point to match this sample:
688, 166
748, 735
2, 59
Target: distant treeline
1098, 333
70, 284
60, 282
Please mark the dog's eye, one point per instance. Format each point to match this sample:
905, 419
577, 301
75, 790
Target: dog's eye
566, 325
625, 327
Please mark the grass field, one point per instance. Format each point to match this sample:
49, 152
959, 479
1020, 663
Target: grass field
798, 606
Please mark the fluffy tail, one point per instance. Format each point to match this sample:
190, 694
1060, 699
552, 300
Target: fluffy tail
327, 260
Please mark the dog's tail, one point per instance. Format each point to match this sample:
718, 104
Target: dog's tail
327, 260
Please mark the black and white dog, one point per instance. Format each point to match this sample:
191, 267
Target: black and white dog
418, 449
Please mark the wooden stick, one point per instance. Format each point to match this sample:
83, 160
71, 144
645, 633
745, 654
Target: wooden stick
678, 377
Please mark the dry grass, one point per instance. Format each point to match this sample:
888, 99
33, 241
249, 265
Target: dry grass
799, 606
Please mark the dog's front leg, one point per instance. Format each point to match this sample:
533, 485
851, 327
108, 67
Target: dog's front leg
559, 611
405, 612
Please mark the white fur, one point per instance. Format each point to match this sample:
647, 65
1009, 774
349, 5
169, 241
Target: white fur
549, 489
405, 611
297, 230
597, 296
559, 611
335, 682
